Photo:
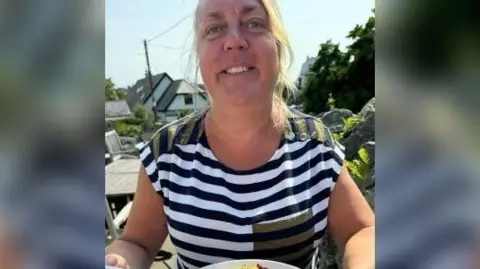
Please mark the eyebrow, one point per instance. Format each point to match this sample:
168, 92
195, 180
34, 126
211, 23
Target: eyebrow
245, 10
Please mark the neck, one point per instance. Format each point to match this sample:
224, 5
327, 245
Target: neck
241, 123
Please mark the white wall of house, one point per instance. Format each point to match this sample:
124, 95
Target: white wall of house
158, 92
171, 118
180, 102
167, 116
161, 116
305, 68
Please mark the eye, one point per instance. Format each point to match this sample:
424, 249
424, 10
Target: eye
213, 30
255, 24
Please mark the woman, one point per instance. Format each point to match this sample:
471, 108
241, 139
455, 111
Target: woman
247, 178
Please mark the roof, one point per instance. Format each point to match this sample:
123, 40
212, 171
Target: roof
140, 91
186, 87
121, 177
179, 86
117, 109
201, 86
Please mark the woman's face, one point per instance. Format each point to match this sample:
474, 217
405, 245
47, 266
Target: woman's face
238, 54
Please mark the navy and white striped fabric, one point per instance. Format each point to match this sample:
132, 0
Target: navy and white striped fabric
277, 211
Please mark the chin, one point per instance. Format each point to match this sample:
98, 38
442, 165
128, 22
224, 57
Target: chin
244, 98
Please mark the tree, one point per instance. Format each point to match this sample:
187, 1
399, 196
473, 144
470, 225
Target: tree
110, 91
121, 94
143, 114
346, 76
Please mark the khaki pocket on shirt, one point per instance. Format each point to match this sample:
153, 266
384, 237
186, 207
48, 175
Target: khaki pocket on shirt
283, 224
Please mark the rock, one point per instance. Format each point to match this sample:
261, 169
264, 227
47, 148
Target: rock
370, 148
336, 117
370, 197
321, 115
336, 129
329, 254
368, 109
362, 133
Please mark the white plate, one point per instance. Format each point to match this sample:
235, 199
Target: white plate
237, 264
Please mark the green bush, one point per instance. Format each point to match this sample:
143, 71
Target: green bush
124, 129
360, 168
336, 137
141, 112
183, 112
134, 121
331, 102
350, 122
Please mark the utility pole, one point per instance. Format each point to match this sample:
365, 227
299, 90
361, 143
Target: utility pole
150, 78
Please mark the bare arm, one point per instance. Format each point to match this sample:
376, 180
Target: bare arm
352, 223
146, 228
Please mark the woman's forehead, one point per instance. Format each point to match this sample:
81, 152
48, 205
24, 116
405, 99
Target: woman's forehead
217, 8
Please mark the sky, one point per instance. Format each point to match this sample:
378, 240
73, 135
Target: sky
309, 23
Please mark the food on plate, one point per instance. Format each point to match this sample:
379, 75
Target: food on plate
255, 266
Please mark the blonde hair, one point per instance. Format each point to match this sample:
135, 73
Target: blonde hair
285, 85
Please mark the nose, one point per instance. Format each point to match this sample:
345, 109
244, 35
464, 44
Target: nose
235, 40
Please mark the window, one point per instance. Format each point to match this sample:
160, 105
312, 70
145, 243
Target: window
188, 99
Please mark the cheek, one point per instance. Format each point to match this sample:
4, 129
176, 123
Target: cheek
204, 60
201, 64
269, 56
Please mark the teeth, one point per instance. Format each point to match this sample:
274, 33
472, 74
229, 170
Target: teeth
236, 70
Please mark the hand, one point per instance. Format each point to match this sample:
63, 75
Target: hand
116, 261
11, 255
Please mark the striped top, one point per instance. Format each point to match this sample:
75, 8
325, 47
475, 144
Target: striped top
277, 211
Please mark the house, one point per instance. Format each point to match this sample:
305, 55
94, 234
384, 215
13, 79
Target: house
114, 111
117, 110
141, 93
302, 78
180, 95
168, 96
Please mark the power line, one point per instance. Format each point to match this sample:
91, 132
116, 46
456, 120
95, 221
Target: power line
170, 28
165, 46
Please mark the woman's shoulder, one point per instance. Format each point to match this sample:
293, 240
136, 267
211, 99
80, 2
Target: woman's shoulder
181, 131
301, 126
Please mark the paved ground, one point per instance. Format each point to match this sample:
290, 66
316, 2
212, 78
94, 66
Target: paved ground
167, 246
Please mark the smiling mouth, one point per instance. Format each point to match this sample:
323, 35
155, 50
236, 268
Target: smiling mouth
237, 70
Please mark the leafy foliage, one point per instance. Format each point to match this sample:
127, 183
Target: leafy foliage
142, 118
348, 76
111, 92
183, 112
331, 102
349, 123
360, 168
143, 114
125, 129
336, 136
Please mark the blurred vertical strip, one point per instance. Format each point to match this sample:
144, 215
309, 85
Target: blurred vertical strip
51, 134
427, 154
